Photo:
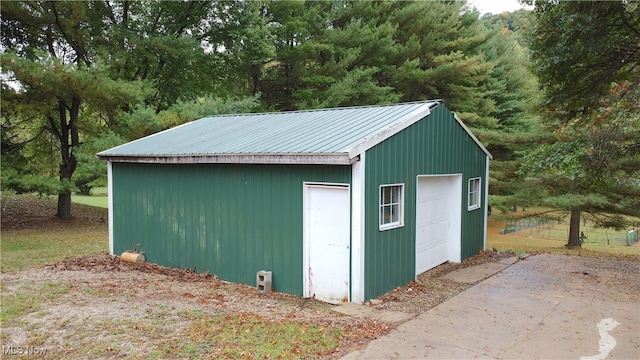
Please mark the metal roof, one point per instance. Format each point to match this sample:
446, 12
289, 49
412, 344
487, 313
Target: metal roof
327, 136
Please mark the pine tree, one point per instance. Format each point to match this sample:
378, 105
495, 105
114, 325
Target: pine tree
586, 56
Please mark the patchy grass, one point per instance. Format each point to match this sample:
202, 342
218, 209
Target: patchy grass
253, 336
167, 318
33, 236
530, 241
24, 249
28, 299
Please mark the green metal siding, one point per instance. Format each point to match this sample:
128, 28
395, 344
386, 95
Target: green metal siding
228, 220
435, 145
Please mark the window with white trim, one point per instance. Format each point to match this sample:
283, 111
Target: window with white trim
391, 206
474, 194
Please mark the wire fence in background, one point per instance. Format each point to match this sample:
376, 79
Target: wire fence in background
554, 229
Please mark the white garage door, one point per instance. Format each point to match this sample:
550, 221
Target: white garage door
437, 221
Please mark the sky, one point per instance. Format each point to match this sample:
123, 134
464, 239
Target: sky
495, 6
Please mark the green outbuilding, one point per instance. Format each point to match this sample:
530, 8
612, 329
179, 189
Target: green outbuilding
342, 204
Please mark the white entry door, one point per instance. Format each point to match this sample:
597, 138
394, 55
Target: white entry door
437, 221
326, 241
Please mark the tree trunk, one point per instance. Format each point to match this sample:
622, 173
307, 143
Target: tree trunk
64, 196
574, 230
64, 205
69, 140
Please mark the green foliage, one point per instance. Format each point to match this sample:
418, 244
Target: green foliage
122, 70
583, 56
92, 172
594, 165
441, 58
560, 158
515, 23
48, 77
357, 53
515, 129
247, 38
581, 47
81, 67
29, 183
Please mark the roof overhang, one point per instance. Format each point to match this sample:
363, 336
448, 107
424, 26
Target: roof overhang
293, 159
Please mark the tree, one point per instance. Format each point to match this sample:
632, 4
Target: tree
60, 91
245, 46
586, 55
327, 54
355, 53
593, 168
81, 65
514, 90
580, 48
20, 134
49, 54
122, 69
441, 58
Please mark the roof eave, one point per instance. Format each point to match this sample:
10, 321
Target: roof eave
291, 159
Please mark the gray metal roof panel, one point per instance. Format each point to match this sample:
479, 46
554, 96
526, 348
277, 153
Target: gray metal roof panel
325, 131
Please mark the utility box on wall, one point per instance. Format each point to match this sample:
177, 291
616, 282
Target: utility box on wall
263, 281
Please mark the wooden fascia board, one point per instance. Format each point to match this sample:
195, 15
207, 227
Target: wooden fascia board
293, 159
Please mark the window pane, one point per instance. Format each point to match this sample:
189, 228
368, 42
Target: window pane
386, 215
391, 205
474, 193
395, 213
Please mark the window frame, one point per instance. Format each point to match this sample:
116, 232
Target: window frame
399, 204
471, 190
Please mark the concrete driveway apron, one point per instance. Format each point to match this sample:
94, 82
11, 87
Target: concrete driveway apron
543, 307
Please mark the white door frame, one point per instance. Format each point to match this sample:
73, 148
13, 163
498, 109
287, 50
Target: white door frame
307, 188
455, 222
